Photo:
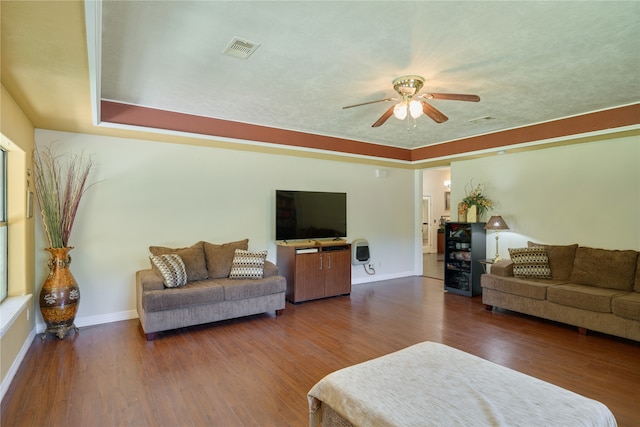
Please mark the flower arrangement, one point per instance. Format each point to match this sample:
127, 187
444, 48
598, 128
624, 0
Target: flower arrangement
476, 198
59, 186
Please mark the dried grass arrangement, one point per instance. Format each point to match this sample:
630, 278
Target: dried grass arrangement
60, 183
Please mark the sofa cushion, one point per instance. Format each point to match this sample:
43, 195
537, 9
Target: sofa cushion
193, 258
582, 296
604, 268
247, 265
171, 269
220, 257
531, 262
560, 259
529, 288
242, 289
627, 306
202, 292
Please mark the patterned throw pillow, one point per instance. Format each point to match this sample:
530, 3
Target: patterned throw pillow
248, 265
530, 263
171, 268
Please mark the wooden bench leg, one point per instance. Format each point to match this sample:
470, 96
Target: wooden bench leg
279, 312
583, 331
488, 307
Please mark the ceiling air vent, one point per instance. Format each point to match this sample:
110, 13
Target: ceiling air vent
240, 48
482, 119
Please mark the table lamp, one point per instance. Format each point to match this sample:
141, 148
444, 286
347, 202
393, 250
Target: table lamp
496, 223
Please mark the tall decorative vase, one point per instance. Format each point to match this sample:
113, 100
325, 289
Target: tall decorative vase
60, 295
472, 214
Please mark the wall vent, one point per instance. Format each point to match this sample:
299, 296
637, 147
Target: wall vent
241, 48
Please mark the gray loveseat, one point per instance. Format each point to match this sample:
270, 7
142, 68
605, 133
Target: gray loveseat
210, 294
593, 289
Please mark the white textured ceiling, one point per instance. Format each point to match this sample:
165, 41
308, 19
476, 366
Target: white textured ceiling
530, 62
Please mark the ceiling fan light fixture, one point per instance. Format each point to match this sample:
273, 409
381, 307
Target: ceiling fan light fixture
400, 111
415, 109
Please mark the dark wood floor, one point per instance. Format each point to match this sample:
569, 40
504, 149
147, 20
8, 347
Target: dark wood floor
256, 371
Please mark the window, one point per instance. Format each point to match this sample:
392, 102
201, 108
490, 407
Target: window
4, 282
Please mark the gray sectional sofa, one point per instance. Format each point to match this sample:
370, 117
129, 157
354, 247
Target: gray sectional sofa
210, 294
593, 289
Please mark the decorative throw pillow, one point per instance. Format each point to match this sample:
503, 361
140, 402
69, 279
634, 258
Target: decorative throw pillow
247, 265
171, 268
530, 263
193, 258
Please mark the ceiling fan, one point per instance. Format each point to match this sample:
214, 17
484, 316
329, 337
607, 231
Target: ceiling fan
412, 104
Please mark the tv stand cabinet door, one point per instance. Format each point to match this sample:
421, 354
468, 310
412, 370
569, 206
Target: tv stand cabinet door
308, 282
337, 272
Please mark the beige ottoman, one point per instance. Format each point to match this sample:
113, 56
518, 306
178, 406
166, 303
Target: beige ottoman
430, 384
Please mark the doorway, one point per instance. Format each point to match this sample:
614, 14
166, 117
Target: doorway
436, 208
427, 245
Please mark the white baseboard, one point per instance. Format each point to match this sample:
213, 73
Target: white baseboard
97, 320
6, 382
378, 277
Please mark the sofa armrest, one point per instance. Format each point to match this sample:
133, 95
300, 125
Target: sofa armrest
503, 267
149, 280
270, 269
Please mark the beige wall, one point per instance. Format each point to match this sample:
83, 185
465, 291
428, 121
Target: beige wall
587, 193
18, 138
151, 193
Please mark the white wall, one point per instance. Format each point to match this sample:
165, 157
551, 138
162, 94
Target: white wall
587, 194
150, 193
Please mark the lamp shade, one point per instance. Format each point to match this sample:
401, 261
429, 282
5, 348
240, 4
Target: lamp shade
496, 223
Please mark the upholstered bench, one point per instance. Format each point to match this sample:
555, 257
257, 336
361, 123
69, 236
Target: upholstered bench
430, 384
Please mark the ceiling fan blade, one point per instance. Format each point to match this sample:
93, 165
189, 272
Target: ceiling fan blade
384, 117
434, 113
367, 103
452, 96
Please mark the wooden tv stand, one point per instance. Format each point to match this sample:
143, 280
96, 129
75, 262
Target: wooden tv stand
315, 269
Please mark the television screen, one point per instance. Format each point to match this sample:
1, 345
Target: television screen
310, 215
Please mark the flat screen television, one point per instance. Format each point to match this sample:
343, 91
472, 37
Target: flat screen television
310, 215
